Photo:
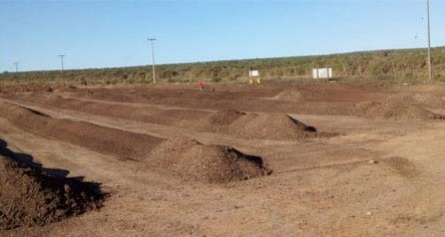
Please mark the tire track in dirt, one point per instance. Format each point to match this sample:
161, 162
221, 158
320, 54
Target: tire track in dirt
305, 156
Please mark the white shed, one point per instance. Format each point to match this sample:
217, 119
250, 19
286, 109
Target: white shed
322, 73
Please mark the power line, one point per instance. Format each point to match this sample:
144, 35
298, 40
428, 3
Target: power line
153, 58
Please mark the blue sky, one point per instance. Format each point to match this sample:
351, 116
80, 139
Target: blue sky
111, 33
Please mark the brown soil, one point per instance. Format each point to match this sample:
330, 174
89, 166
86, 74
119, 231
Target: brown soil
146, 114
399, 107
273, 126
288, 95
123, 144
402, 166
430, 100
192, 160
411, 112
343, 186
225, 117
241, 98
28, 197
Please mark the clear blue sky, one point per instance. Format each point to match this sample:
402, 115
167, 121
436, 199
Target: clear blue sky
111, 33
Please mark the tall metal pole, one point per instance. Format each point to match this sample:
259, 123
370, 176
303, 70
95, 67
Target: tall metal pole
16, 67
430, 74
61, 60
153, 58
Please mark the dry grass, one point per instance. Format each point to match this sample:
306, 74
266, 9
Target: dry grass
407, 65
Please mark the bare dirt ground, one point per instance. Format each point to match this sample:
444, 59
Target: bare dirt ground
240, 160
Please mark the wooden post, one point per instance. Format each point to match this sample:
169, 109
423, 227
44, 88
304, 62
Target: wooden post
394, 70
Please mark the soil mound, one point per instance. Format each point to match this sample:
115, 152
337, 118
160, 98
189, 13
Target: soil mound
274, 126
399, 107
411, 112
29, 197
430, 100
402, 166
192, 160
225, 117
289, 96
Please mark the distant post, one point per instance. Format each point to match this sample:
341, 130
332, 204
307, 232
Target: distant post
153, 58
16, 67
430, 73
61, 60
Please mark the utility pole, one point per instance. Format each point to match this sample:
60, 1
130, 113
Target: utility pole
153, 58
430, 74
61, 60
16, 67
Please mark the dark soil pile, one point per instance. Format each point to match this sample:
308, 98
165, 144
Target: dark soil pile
192, 160
119, 143
274, 126
225, 117
402, 166
289, 96
217, 122
29, 197
398, 107
170, 117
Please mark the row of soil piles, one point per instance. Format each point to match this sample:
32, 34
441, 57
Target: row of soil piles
120, 143
185, 158
271, 126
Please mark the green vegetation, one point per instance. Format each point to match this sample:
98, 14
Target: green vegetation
408, 65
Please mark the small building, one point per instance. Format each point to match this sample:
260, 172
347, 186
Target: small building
254, 73
322, 73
